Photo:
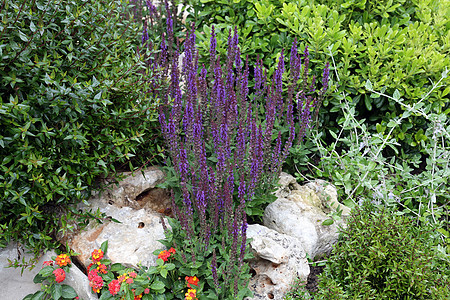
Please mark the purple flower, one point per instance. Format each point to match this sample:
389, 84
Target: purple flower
145, 34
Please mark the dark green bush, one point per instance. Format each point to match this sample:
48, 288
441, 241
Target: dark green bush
384, 255
397, 45
74, 106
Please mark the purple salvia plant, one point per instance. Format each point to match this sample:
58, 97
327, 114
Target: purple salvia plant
214, 121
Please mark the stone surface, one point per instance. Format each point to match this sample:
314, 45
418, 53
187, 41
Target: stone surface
135, 203
300, 210
279, 261
15, 286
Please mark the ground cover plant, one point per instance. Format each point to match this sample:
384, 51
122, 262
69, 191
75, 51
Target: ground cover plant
399, 263
74, 107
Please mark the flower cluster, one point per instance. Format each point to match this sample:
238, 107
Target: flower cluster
165, 254
97, 255
95, 269
95, 280
60, 275
63, 260
191, 293
52, 276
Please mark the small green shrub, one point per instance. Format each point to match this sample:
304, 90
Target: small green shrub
384, 255
74, 106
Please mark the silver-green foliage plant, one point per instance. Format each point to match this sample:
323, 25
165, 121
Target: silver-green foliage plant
367, 165
411, 197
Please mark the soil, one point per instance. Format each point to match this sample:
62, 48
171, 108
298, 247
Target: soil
313, 282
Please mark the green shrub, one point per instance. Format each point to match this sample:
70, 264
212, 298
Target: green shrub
397, 45
74, 106
384, 255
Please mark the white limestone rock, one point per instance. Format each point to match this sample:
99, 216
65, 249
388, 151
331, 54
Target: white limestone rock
300, 210
279, 261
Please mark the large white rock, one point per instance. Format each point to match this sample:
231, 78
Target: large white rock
300, 210
133, 240
279, 261
15, 286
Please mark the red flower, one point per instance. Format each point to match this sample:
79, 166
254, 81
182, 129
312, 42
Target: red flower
96, 282
62, 260
97, 255
164, 255
132, 274
92, 273
129, 280
60, 275
146, 291
114, 287
191, 280
171, 250
48, 263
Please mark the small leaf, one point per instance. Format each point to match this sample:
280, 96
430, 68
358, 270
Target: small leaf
328, 222
23, 36
368, 85
104, 246
396, 95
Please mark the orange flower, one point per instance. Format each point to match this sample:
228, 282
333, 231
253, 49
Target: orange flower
97, 255
165, 254
191, 280
62, 260
102, 268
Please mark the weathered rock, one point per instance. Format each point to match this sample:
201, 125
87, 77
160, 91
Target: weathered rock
279, 261
15, 286
300, 210
135, 203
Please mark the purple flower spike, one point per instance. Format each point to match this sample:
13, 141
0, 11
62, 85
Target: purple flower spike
145, 34
326, 76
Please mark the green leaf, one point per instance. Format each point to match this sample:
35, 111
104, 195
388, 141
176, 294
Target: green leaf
164, 273
46, 271
157, 286
368, 85
68, 292
56, 291
23, 36
38, 295
104, 246
328, 222
39, 278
